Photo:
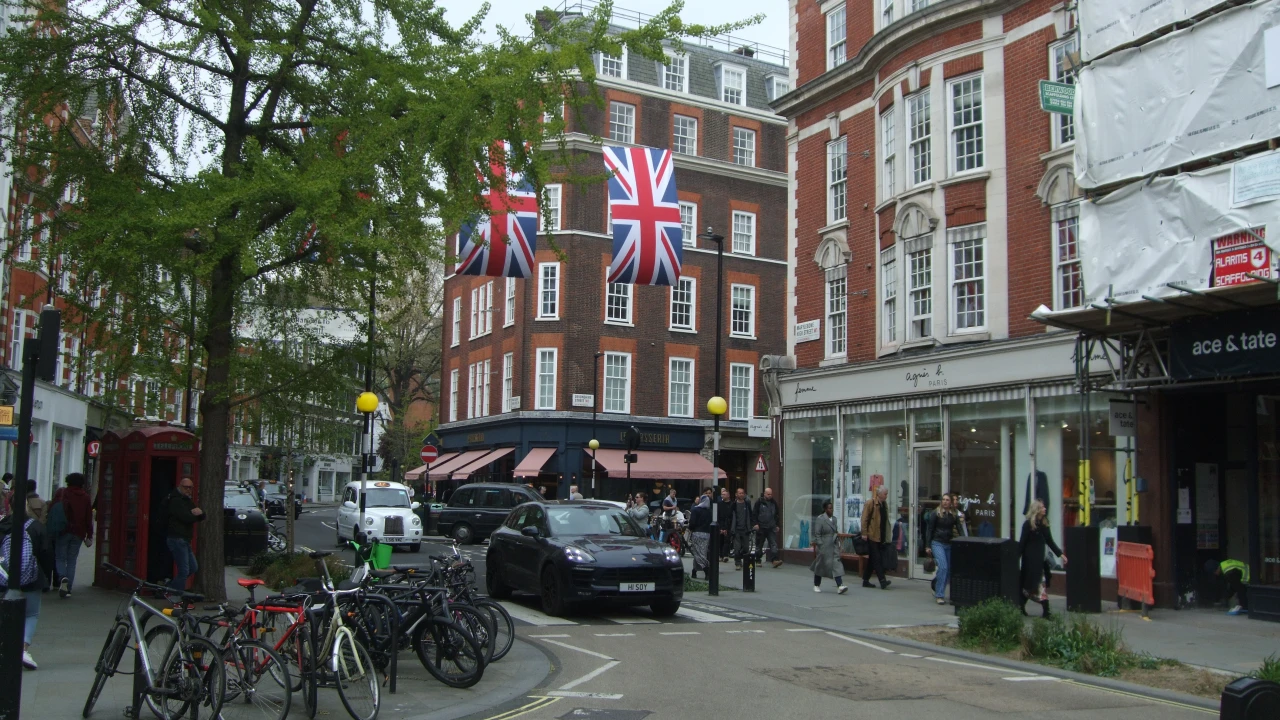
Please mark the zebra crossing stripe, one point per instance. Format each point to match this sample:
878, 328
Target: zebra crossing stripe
699, 616
534, 617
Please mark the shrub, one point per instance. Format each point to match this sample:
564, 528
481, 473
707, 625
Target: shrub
281, 570
1079, 645
1269, 670
992, 624
260, 562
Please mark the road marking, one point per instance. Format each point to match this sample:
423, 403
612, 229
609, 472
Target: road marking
975, 665
917, 657
328, 525
699, 616
741, 632
592, 675
863, 643
534, 617
537, 704
615, 634
685, 632
548, 636
804, 630
592, 653
1032, 678
590, 696
1146, 698
633, 620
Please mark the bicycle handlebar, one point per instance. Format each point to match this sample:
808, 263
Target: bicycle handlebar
168, 591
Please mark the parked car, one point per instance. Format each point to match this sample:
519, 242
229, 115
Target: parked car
245, 527
275, 504
474, 511
388, 515
570, 552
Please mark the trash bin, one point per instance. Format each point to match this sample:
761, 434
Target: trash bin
982, 568
380, 558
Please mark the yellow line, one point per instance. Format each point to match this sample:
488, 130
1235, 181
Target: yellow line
539, 702
1148, 698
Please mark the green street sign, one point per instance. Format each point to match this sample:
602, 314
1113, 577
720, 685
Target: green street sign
1057, 97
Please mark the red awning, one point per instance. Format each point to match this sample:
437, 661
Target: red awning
463, 472
659, 465
418, 472
441, 471
532, 463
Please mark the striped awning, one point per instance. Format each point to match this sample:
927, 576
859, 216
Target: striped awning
441, 471
809, 412
418, 472
1054, 390
872, 407
463, 472
531, 465
987, 395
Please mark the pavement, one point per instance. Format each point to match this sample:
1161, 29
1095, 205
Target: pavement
71, 633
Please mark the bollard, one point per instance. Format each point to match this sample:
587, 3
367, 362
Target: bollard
749, 572
13, 613
1250, 699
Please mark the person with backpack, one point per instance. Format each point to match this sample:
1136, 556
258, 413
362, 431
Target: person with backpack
36, 506
36, 565
70, 525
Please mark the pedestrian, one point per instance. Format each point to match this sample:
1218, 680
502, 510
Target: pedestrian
1234, 576
826, 561
740, 526
766, 527
722, 524
573, 493
37, 567
183, 516
700, 534
36, 506
1033, 544
640, 512
6, 492
875, 528
73, 504
943, 525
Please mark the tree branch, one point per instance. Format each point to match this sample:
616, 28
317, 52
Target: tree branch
166, 92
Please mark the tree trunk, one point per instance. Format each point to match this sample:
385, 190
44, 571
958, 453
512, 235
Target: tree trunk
219, 345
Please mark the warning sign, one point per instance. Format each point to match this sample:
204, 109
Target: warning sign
761, 466
1240, 255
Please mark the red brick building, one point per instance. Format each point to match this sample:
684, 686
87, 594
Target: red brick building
520, 355
933, 209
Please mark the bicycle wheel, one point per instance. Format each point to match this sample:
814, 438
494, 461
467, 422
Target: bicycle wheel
108, 662
356, 676
479, 624
295, 649
191, 682
257, 683
449, 652
504, 630
158, 642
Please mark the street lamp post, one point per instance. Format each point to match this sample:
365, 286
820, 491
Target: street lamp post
595, 402
717, 407
366, 403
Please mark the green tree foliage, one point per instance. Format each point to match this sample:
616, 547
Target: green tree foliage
270, 150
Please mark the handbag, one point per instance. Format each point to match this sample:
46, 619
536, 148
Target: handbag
889, 560
930, 565
861, 546
1051, 560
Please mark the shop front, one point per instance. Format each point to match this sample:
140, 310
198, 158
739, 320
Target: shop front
995, 425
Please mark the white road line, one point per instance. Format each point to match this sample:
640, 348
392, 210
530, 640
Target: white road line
592, 675
548, 636
1032, 678
587, 695
615, 634
699, 616
902, 654
975, 665
632, 620
328, 525
584, 651
804, 630
742, 632
534, 617
685, 632
863, 643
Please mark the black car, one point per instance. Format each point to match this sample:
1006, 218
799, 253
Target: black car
245, 526
275, 504
474, 511
575, 551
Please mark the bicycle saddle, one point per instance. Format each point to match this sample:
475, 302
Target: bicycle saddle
383, 574
250, 582
317, 554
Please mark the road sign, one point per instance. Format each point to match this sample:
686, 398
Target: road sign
581, 400
429, 454
630, 458
6, 414
9, 432
761, 466
93, 448
1057, 97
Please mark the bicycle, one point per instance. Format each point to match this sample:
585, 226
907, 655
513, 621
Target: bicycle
186, 679
458, 576
347, 665
259, 684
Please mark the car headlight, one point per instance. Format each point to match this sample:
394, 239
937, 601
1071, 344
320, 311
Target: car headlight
416, 521
368, 520
578, 555
671, 555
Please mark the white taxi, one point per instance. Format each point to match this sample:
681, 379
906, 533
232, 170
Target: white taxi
388, 515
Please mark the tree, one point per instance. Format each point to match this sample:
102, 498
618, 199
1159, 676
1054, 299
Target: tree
407, 365
255, 147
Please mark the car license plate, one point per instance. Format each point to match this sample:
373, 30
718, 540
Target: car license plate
636, 587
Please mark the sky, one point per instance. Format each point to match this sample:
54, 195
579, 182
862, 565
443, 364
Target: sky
771, 31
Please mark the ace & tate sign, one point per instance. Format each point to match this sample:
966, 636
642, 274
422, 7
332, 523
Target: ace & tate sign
1226, 345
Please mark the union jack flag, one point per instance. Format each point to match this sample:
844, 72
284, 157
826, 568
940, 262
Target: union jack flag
647, 239
501, 243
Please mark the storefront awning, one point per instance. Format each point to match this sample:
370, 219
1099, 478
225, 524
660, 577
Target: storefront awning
464, 471
417, 473
532, 463
659, 465
441, 471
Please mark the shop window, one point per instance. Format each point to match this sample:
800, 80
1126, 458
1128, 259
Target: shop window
810, 449
1268, 420
987, 441
1058, 442
875, 454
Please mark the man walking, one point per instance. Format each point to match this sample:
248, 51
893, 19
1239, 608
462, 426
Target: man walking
740, 525
875, 528
766, 514
183, 515
723, 506
76, 509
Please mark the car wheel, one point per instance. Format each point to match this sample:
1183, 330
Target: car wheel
415, 547
665, 608
553, 602
463, 534
337, 531
496, 588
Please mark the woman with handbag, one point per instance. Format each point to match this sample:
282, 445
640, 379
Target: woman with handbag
700, 534
943, 525
1035, 541
826, 561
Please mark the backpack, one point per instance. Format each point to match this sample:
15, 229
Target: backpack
30, 571
56, 523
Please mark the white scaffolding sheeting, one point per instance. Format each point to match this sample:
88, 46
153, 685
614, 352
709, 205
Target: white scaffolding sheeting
1107, 24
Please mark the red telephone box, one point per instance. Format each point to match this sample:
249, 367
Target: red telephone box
137, 471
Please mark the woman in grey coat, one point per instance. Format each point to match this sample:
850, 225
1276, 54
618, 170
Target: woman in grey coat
826, 561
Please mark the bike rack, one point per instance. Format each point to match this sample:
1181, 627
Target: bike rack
392, 664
